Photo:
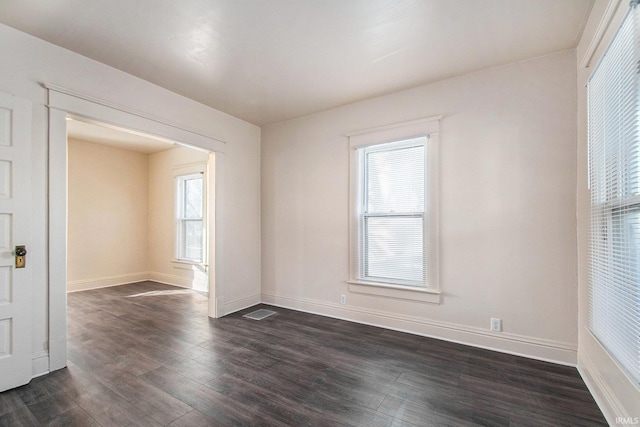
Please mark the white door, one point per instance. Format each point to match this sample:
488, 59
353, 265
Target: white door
15, 283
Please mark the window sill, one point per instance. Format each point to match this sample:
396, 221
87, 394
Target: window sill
395, 291
186, 264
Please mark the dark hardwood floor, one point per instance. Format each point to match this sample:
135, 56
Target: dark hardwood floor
147, 355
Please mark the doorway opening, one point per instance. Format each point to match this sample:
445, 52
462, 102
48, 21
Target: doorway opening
139, 209
65, 104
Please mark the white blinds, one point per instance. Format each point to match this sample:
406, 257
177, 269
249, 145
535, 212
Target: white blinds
392, 213
614, 179
190, 210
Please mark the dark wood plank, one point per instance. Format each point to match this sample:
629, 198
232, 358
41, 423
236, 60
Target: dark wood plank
107, 408
10, 401
193, 418
53, 406
74, 417
20, 417
219, 407
153, 402
146, 354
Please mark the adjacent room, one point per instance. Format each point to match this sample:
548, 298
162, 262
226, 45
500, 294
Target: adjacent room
394, 212
138, 210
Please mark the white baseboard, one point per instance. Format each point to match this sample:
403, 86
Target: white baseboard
519, 345
105, 282
614, 391
170, 279
57, 354
125, 279
599, 389
227, 307
40, 363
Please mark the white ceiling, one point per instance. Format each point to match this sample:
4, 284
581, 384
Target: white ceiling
270, 60
118, 138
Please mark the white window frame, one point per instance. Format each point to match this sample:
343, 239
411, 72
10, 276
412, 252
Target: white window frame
612, 276
181, 174
427, 127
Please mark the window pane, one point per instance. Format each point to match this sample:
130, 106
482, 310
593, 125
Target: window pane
614, 180
192, 235
193, 198
616, 289
394, 248
395, 180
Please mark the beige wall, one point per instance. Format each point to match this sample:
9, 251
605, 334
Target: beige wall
612, 389
122, 217
507, 212
108, 192
162, 220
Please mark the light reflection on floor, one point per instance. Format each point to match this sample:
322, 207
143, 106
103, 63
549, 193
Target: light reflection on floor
166, 292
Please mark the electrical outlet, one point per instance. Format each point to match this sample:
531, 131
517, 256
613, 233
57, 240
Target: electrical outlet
343, 299
496, 325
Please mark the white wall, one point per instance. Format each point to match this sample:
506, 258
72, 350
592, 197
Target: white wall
508, 238
162, 220
29, 61
616, 395
107, 216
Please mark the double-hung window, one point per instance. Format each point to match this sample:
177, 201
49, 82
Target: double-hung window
190, 221
391, 217
614, 180
394, 206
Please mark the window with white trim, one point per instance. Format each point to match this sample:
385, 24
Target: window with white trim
190, 210
391, 213
394, 206
614, 180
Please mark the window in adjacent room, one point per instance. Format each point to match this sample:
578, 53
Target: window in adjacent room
614, 180
190, 236
394, 206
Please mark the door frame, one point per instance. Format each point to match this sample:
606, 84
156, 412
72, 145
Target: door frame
63, 103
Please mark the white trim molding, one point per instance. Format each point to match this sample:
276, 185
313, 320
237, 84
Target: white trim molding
57, 353
603, 26
603, 395
419, 123
170, 279
227, 307
159, 120
89, 109
411, 293
61, 104
128, 279
105, 282
358, 141
57, 244
614, 392
519, 345
40, 363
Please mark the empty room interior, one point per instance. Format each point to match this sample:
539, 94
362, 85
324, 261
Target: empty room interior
394, 212
122, 190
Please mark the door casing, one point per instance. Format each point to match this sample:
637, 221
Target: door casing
64, 103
